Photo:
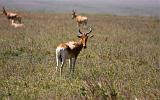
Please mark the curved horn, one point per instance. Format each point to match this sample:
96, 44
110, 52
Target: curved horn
89, 31
3, 8
80, 31
73, 11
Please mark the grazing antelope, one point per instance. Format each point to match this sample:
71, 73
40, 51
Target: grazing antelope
12, 16
70, 50
79, 19
16, 25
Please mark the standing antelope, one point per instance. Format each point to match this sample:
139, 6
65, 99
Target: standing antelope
12, 16
70, 50
79, 19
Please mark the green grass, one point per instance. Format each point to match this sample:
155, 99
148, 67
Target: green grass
121, 62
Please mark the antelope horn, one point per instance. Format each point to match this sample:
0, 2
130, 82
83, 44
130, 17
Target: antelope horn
80, 31
73, 11
3, 7
89, 31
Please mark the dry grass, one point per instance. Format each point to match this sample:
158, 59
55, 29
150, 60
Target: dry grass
122, 61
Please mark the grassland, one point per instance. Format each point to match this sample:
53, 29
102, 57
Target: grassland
121, 62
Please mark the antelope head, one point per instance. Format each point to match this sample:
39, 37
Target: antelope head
84, 37
3, 11
73, 14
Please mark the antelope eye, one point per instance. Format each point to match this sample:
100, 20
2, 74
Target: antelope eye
79, 36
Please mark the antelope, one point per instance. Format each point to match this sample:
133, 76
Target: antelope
79, 19
70, 50
16, 25
12, 16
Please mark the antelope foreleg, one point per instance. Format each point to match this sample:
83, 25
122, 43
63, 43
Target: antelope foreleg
73, 64
70, 65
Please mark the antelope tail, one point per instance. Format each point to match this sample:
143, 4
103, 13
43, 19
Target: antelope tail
58, 56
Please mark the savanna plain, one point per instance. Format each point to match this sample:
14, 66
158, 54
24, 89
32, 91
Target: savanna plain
121, 61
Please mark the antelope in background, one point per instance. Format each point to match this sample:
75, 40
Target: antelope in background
79, 19
16, 25
11, 16
70, 50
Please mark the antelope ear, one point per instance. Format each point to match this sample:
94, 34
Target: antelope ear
91, 36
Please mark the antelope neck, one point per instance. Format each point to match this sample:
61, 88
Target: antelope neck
75, 16
80, 43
